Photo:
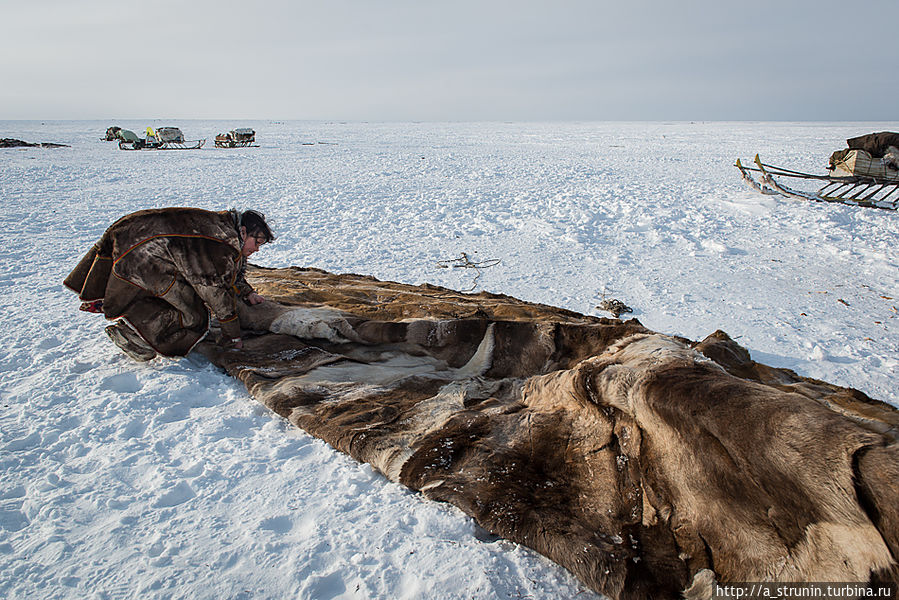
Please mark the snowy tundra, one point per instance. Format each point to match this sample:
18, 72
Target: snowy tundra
167, 480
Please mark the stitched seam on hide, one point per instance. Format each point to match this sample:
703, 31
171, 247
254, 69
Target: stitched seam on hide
174, 279
96, 258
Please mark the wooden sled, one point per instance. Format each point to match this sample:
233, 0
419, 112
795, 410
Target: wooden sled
191, 145
237, 138
873, 192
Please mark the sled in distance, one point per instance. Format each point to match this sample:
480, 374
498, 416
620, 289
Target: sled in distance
164, 138
236, 138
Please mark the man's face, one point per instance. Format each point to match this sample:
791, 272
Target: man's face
251, 243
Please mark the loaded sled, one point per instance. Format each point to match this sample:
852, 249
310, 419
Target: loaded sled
164, 138
236, 138
865, 174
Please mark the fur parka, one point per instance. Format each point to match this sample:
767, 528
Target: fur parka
163, 270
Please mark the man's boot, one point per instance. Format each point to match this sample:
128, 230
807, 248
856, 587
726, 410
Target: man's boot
130, 342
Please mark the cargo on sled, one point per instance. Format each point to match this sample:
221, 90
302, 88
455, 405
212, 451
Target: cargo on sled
865, 174
111, 134
164, 138
236, 138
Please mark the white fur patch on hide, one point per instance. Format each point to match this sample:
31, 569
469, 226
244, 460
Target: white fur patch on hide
393, 367
481, 360
315, 323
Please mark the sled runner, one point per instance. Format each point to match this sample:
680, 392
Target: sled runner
164, 138
236, 138
866, 173
847, 183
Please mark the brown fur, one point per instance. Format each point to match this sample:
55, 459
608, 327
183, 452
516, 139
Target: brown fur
649, 466
160, 269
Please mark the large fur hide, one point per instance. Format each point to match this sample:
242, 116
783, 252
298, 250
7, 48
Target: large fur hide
648, 465
876, 144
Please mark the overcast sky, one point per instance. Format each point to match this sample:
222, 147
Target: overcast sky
456, 60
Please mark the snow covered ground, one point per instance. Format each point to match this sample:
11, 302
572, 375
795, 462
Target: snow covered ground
166, 480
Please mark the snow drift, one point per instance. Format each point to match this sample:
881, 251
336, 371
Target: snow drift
645, 464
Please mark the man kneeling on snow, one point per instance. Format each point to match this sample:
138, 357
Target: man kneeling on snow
158, 270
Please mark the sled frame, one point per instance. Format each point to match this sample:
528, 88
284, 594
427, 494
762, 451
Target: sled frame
235, 144
192, 145
854, 190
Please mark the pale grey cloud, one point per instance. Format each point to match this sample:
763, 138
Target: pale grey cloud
460, 60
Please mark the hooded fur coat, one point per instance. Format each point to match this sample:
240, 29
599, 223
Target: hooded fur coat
161, 268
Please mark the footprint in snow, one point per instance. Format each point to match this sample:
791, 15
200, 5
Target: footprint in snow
81, 367
277, 524
13, 520
123, 383
50, 342
13, 492
134, 429
181, 493
32, 440
173, 413
324, 587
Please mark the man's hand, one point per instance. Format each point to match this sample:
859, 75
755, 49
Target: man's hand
254, 298
231, 343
